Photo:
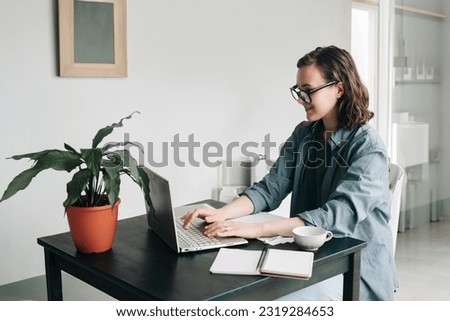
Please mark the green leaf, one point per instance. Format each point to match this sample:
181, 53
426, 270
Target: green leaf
61, 160
76, 186
120, 144
114, 160
102, 133
130, 163
111, 177
130, 166
54, 158
33, 156
22, 180
93, 159
70, 148
137, 174
145, 186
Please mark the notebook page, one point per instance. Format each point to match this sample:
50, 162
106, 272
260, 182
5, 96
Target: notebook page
236, 261
288, 263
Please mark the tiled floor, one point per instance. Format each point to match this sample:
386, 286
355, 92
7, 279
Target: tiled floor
423, 262
422, 256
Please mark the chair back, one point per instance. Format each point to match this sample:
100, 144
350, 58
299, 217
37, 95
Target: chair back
396, 180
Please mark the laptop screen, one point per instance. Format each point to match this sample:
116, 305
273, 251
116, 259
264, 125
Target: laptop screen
160, 218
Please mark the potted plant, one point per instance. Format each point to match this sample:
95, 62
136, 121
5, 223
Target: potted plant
93, 192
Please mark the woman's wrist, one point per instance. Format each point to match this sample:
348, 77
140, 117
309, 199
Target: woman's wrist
222, 214
280, 227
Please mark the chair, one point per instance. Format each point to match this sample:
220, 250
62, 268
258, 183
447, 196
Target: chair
397, 178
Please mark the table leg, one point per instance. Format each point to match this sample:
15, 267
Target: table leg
53, 278
352, 278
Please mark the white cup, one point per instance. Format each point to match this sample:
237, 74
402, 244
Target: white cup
310, 238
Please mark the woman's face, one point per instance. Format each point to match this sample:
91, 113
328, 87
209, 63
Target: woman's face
323, 101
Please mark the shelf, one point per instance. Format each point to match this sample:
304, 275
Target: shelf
420, 11
424, 81
375, 3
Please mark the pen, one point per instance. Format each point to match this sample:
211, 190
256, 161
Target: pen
262, 259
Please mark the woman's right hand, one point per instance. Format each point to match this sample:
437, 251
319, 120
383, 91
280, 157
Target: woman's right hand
239, 207
209, 215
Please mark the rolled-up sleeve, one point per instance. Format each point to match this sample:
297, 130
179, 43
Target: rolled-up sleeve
268, 194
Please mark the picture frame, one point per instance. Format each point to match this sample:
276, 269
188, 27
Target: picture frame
92, 38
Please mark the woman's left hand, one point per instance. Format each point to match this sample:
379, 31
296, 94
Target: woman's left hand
230, 228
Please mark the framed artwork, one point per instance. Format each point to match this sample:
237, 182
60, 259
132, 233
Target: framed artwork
92, 38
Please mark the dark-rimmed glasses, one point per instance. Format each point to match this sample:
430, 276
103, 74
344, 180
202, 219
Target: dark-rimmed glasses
305, 95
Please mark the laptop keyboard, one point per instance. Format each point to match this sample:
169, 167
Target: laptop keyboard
194, 236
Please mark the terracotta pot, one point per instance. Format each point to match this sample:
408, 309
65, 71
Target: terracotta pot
93, 228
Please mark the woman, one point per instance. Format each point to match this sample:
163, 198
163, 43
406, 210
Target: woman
336, 167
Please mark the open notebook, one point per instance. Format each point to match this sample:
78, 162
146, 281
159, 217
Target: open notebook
270, 261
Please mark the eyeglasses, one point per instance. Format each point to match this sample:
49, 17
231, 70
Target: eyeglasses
305, 95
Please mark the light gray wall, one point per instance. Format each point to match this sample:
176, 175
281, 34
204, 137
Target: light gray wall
217, 69
444, 190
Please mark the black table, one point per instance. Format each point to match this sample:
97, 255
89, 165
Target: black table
142, 267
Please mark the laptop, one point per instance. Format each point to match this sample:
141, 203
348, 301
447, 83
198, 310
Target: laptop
165, 221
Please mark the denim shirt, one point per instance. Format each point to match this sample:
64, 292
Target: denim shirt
355, 199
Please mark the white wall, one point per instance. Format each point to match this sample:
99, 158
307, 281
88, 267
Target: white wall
218, 69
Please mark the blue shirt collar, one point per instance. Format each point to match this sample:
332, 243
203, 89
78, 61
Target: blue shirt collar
337, 139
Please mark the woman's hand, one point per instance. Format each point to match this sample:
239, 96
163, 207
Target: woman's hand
232, 228
220, 225
209, 215
239, 207
281, 227
217, 226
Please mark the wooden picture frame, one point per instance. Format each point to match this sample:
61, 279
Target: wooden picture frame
101, 16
